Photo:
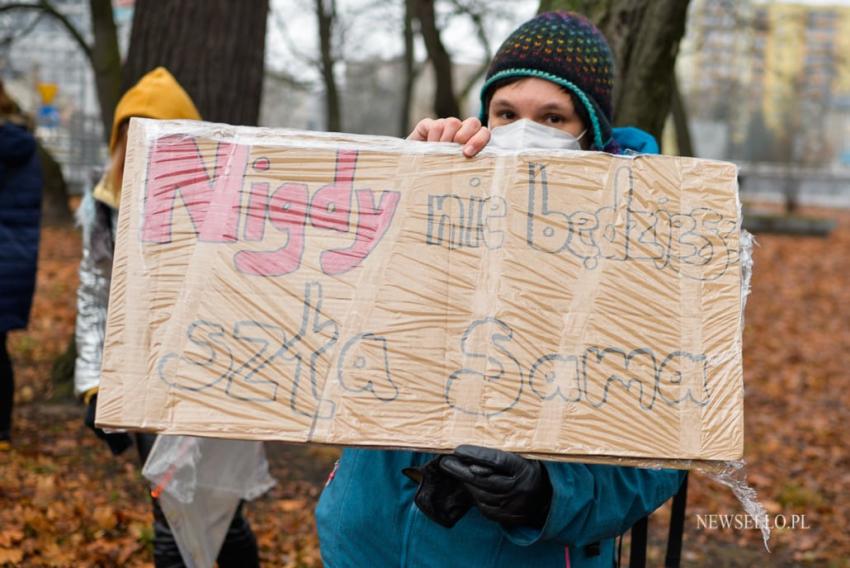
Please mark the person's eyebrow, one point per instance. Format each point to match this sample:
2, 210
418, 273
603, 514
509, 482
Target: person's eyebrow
556, 107
501, 103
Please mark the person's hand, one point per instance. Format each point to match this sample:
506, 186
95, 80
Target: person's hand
470, 133
441, 497
117, 441
505, 487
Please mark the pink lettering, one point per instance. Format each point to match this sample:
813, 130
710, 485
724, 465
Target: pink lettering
331, 205
212, 200
287, 211
255, 217
371, 226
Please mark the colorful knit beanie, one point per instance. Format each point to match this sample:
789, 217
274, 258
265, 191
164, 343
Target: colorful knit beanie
567, 49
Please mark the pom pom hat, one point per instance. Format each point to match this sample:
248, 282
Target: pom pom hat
568, 50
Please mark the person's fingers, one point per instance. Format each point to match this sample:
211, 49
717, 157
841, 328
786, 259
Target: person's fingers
477, 142
435, 130
503, 462
469, 133
420, 131
485, 498
450, 128
468, 128
474, 475
496, 485
456, 468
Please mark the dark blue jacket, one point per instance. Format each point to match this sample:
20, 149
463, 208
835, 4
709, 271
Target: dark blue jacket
20, 214
366, 515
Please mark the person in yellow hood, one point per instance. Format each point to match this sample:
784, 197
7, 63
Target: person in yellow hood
157, 95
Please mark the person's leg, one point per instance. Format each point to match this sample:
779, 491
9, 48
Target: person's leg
166, 553
238, 550
7, 392
240, 545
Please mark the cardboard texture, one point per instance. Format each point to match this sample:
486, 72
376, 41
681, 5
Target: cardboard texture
359, 290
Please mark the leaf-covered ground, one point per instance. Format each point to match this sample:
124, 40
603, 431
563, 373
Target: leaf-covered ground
64, 501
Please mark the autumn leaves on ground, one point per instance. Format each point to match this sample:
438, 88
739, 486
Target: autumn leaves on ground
64, 501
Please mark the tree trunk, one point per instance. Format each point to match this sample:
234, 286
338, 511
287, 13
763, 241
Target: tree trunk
54, 192
445, 103
476, 15
409, 59
644, 36
214, 48
679, 113
106, 61
326, 16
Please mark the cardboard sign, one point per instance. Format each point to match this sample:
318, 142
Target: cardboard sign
358, 290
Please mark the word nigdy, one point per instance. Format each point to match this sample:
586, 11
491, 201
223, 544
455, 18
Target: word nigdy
213, 201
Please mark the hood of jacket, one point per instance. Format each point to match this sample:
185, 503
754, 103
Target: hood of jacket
156, 95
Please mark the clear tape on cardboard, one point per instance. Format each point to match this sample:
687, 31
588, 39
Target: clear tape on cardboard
458, 256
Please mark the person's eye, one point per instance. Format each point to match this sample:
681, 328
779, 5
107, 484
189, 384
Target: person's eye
506, 115
554, 119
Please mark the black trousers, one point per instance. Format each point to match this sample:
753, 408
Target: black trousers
7, 389
238, 550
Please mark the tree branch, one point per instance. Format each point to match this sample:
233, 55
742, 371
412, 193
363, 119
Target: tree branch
46, 7
22, 33
290, 44
445, 103
326, 16
481, 32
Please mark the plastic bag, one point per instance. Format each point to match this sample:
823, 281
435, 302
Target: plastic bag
199, 483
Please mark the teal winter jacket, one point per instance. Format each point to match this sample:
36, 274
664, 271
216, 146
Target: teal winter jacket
366, 516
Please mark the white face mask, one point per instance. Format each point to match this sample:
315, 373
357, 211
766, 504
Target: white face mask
524, 134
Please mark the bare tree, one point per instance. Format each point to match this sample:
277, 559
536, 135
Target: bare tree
477, 12
644, 36
411, 70
214, 48
679, 114
445, 103
103, 54
326, 16
106, 60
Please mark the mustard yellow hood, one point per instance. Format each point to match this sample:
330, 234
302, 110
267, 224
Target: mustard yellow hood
156, 95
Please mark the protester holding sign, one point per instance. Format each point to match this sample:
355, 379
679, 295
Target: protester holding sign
157, 95
548, 86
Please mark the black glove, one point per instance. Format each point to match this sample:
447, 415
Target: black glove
117, 441
505, 487
440, 496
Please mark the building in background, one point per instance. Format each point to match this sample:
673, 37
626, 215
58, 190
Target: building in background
775, 75
36, 54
